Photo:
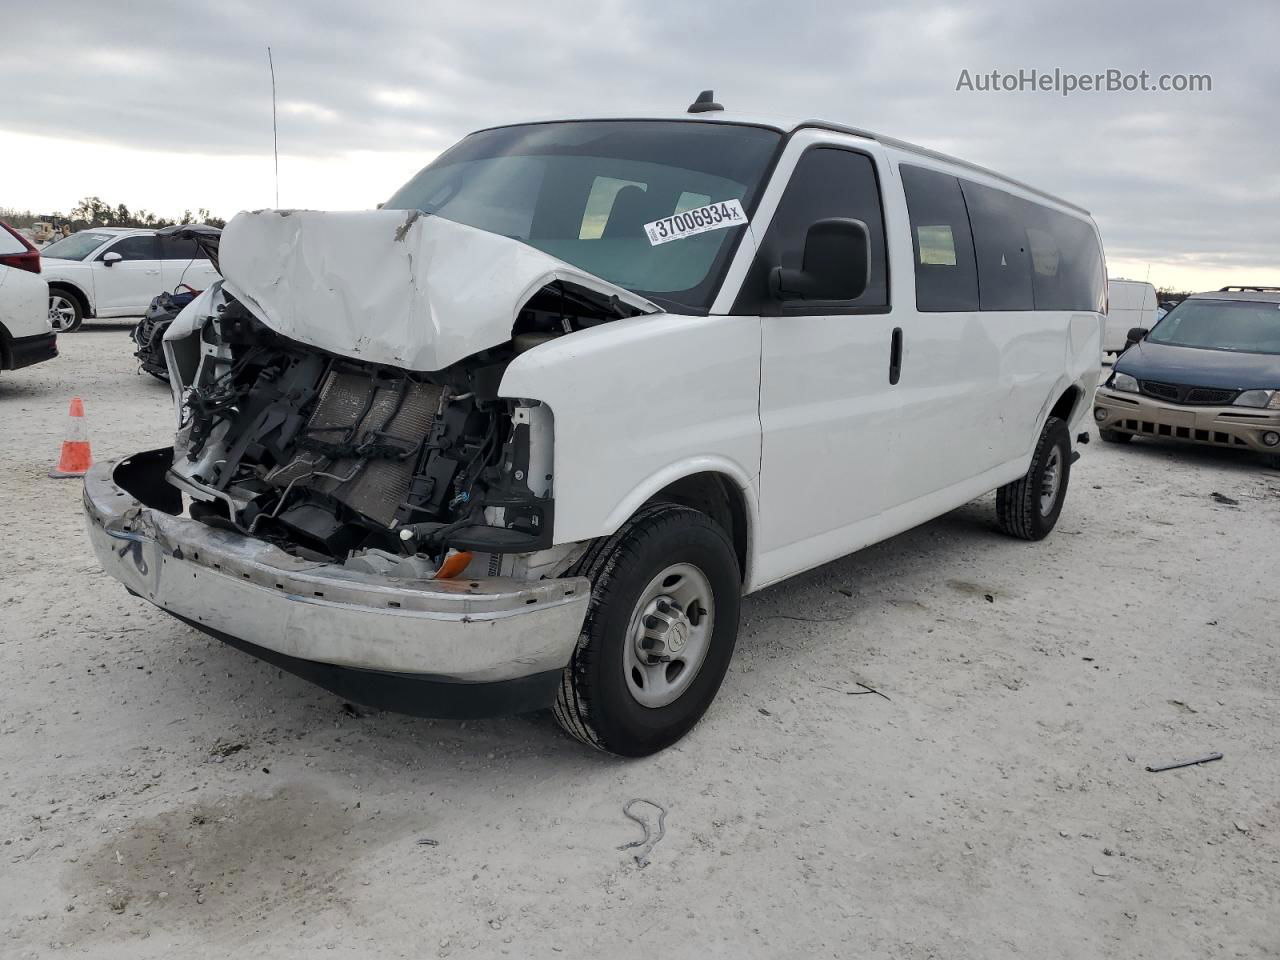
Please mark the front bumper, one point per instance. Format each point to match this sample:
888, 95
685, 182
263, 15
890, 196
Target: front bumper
24, 351
1239, 427
431, 647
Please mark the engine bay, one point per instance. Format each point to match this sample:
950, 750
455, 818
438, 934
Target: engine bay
328, 457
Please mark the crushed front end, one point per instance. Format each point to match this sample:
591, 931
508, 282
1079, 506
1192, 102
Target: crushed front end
386, 532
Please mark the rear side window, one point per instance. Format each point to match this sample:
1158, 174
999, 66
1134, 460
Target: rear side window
134, 248
946, 273
1067, 272
978, 248
827, 182
1000, 222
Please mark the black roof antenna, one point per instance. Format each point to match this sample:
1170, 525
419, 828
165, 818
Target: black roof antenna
705, 103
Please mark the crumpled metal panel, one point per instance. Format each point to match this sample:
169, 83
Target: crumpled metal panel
389, 286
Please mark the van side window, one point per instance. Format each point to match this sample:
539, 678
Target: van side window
827, 182
1000, 223
1066, 262
946, 272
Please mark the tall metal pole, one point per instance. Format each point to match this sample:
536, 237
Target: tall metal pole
275, 137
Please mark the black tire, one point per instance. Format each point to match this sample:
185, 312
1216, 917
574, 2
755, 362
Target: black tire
595, 703
1114, 436
65, 299
149, 336
1018, 505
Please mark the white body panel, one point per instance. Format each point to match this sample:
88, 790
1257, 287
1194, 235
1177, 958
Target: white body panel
1132, 304
24, 296
197, 274
24, 302
387, 286
70, 272
126, 287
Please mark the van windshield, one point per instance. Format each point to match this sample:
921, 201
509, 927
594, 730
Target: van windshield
1247, 326
583, 192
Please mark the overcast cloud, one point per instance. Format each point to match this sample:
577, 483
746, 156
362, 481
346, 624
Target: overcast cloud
1188, 181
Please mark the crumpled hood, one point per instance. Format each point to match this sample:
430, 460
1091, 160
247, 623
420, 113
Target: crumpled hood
389, 286
1194, 367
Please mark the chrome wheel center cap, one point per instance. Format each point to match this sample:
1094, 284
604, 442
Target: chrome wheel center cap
677, 636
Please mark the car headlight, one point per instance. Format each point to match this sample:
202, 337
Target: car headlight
1123, 382
1267, 399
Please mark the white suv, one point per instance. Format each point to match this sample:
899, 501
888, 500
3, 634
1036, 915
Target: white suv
525, 436
25, 335
114, 272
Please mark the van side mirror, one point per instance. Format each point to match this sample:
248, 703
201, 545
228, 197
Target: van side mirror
835, 265
109, 259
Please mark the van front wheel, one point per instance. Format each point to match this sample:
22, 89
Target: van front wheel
1028, 508
658, 635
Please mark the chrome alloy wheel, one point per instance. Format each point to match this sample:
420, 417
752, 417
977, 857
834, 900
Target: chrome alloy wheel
62, 312
669, 635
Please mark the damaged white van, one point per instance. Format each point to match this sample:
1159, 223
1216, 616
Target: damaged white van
523, 437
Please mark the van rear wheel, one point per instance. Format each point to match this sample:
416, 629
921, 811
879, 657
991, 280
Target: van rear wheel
658, 635
1028, 508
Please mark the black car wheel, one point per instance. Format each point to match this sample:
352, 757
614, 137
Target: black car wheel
658, 634
1028, 508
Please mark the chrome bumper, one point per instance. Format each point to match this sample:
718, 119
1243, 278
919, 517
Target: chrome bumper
480, 631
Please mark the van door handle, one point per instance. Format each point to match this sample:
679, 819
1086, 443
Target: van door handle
895, 355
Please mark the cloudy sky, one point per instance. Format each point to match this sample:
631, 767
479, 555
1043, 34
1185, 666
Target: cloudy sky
166, 110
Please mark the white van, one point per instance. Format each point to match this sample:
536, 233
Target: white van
523, 437
1132, 303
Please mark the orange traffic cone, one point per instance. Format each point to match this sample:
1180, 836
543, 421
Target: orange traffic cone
76, 458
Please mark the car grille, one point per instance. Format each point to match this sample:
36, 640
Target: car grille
1178, 393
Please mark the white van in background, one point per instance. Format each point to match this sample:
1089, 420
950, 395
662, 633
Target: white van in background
1133, 304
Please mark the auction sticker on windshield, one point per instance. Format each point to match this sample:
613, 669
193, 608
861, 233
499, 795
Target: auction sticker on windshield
714, 216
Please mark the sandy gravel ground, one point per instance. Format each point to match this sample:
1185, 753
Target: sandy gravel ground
163, 796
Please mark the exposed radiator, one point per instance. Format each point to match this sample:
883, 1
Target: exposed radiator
354, 409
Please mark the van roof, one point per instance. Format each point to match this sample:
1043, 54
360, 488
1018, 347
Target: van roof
789, 126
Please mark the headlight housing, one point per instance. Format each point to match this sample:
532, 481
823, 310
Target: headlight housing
1265, 399
1123, 382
